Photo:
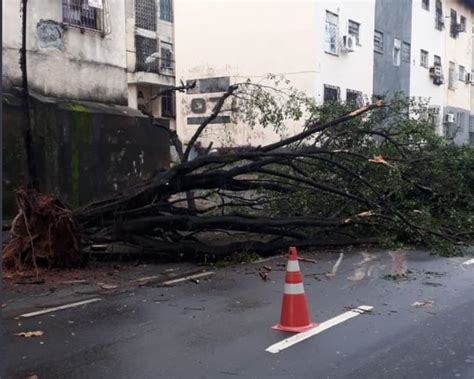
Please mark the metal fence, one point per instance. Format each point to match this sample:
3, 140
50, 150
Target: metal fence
82, 14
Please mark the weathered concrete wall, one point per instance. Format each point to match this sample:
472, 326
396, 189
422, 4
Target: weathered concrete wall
82, 151
64, 62
393, 19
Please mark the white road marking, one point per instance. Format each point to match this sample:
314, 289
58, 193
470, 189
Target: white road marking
336, 266
61, 307
469, 262
279, 346
189, 277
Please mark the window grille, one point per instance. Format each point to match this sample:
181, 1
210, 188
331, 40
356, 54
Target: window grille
353, 97
396, 51
424, 58
167, 61
453, 29
332, 21
168, 105
354, 30
88, 14
144, 48
439, 18
378, 42
145, 14
406, 52
166, 12
331, 93
462, 73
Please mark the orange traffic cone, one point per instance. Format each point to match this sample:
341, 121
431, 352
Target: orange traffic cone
294, 310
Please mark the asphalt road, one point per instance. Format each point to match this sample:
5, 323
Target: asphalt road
220, 327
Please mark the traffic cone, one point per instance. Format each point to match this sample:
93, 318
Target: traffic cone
294, 310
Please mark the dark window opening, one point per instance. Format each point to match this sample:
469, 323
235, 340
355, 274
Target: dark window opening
453, 32
406, 52
354, 31
166, 56
353, 97
425, 4
378, 42
168, 105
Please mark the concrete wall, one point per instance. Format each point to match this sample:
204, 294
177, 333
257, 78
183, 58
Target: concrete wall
426, 37
262, 37
82, 151
394, 20
62, 61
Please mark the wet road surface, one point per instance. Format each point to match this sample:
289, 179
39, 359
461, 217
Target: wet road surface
422, 325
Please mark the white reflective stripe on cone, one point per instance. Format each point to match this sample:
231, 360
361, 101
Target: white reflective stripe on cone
292, 266
294, 288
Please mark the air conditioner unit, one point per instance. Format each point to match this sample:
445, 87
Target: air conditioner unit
449, 118
436, 72
348, 44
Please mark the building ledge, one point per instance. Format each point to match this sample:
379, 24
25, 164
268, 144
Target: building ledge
150, 78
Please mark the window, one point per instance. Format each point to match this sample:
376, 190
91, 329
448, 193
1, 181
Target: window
462, 73
331, 36
437, 60
425, 4
453, 29
378, 42
406, 52
452, 69
166, 55
146, 54
463, 23
353, 30
168, 105
145, 14
166, 13
331, 93
433, 116
439, 18
396, 51
424, 58
353, 97
84, 13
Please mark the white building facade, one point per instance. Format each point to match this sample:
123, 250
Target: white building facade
301, 40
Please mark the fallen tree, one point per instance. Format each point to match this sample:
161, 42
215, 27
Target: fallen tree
373, 174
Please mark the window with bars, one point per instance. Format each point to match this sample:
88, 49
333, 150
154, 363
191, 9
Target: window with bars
424, 58
452, 69
463, 23
87, 14
146, 54
167, 61
168, 105
354, 31
437, 60
396, 51
406, 52
378, 42
331, 94
145, 14
439, 18
166, 12
453, 29
331, 35
353, 97
462, 73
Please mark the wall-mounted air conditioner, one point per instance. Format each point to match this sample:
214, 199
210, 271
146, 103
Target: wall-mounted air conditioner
449, 118
436, 72
347, 44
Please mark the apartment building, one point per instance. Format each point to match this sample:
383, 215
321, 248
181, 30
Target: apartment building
423, 48
324, 48
75, 49
150, 56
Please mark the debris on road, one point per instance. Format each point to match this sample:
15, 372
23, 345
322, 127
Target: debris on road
307, 260
37, 333
106, 286
423, 304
